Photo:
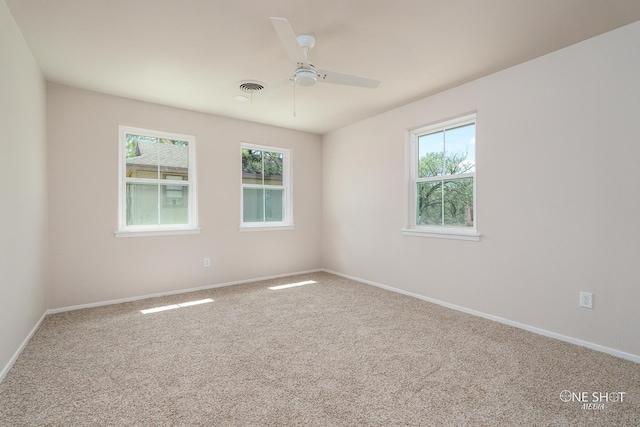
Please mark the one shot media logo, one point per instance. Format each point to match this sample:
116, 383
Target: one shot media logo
592, 400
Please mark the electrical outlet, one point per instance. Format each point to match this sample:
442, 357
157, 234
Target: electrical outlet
586, 299
207, 262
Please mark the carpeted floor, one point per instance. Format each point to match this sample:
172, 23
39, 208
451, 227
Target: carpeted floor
330, 353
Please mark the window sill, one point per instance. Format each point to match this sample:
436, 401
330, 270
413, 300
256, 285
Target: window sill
447, 233
151, 233
262, 227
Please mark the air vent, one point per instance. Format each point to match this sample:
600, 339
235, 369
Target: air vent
251, 87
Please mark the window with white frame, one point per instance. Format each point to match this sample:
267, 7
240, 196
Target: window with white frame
442, 190
157, 182
266, 187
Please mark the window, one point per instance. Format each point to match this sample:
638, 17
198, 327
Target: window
157, 177
266, 188
443, 180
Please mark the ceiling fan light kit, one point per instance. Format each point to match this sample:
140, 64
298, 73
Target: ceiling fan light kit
306, 77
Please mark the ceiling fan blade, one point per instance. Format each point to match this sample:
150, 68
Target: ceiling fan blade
289, 41
346, 79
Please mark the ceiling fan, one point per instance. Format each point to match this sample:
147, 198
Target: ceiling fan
306, 74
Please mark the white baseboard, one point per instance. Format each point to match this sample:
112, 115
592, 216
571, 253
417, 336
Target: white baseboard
571, 340
13, 359
617, 353
181, 291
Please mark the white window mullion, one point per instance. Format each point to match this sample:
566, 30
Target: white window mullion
443, 171
159, 202
264, 192
442, 201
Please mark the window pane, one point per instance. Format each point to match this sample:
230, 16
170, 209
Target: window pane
460, 150
253, 203
173, 157
273, 168
458, 202
142, 204
251, 166
148, 157
174, 208
430, 154
273, 205
429, 206
142, 156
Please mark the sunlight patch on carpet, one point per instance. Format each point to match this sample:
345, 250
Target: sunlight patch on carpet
174, 306
292, 285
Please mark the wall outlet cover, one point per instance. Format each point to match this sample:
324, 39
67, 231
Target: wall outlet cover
586, 299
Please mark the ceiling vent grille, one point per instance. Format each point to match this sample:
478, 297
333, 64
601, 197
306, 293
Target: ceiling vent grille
251, 87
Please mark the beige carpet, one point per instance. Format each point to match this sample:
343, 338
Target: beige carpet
331, 353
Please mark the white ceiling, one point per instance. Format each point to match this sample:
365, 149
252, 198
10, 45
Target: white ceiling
193, 53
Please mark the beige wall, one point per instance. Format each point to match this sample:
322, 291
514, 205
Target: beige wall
558, 188
89, 265
23, 208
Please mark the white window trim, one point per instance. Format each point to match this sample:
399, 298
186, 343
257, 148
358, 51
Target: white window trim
156, 230
276, 226
411, 150
287, 223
